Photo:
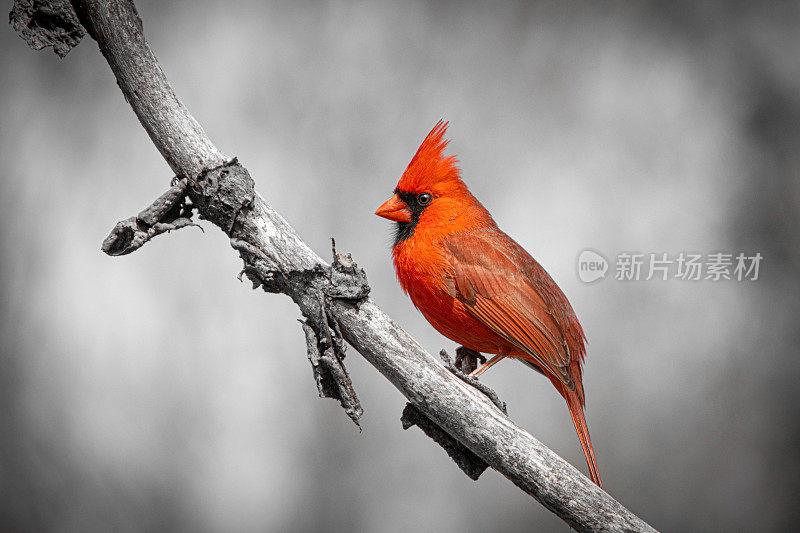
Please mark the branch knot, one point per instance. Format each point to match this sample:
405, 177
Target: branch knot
223, 194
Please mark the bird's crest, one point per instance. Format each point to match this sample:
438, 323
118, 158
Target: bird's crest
430, 169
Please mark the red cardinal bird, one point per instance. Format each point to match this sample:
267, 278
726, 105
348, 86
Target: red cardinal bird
476, 285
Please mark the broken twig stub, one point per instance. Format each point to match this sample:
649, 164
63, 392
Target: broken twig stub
168, 212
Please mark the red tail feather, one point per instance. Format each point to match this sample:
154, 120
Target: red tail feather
576, 410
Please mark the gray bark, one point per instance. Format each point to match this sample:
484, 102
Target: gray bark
278, 260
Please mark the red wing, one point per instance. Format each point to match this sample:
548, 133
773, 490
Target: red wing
498, 293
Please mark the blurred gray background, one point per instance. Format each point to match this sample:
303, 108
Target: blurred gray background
154, 392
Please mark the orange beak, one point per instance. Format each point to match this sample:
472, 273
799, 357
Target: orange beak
394, 209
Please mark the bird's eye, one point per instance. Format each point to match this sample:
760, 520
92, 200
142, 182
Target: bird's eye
424, 199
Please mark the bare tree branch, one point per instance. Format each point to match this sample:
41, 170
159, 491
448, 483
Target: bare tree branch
278, 260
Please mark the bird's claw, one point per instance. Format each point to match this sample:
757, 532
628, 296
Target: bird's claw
472, 465
467, 359
466, 378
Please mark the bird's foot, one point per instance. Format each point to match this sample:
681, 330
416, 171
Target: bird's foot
467, 461
467, 359
466, 378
